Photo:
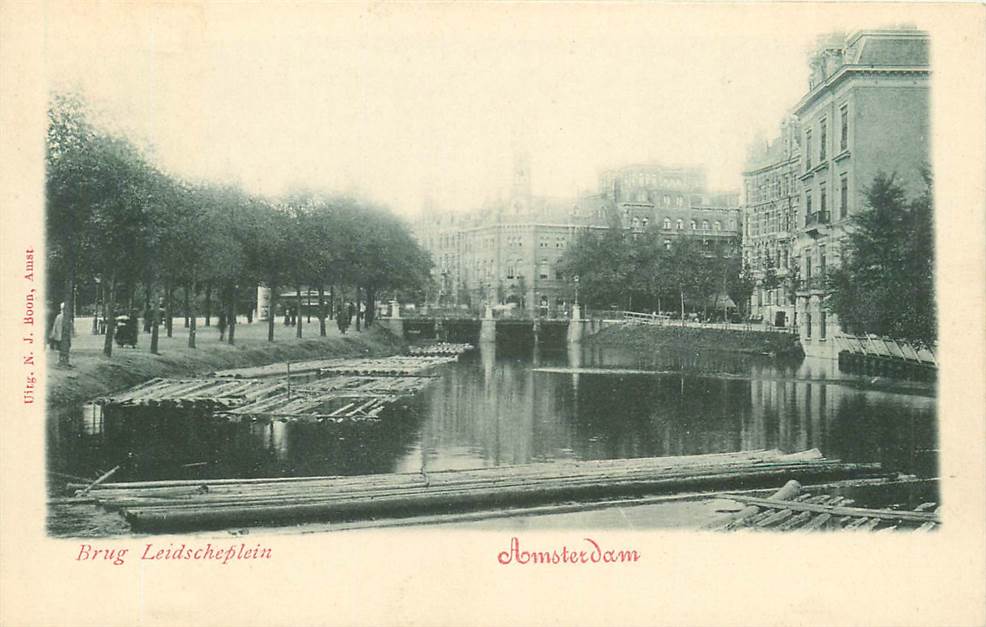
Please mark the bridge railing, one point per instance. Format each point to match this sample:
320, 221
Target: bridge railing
887, 347
656, 319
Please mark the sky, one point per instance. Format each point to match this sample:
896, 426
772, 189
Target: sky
403, 103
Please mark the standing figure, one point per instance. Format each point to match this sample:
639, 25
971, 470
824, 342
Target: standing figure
55, 337
342, 319
221, 325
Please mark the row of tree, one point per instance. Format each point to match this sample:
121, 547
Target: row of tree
634, 269
117, 220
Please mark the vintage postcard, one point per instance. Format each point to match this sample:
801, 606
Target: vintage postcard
493, 313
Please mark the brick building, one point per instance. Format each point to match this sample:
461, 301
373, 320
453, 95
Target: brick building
508, 251
771, 218
866, 111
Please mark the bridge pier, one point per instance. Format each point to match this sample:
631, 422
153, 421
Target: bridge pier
576, 326
396, 326
394, 323
487, 327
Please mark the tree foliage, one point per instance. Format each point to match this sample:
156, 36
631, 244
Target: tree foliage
885, 283
116, 220
635, 270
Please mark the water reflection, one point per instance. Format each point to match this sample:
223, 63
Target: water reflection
496, 407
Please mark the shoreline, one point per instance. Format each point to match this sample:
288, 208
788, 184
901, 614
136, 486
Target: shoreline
92, 374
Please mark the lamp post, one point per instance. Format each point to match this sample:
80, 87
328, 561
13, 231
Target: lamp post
576, 309
97, 301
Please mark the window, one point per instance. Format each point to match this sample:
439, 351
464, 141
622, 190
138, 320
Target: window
510, 270
667, 244
667, 224
808, 203
693, 225
821, 325
821, 261
822, 197
705, 225
843, 197
808, 325
644, 222
717, 226
844, 128
808, 265
807, 150
680, 224
822, 137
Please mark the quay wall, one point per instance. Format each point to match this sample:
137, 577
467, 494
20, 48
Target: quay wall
651, 337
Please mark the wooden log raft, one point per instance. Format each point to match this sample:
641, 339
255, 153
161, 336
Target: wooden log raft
824, 512
351, 498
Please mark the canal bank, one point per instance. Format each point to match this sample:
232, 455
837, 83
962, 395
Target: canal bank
650, 337
92, 374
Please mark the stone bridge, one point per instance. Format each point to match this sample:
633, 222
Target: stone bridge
477, 329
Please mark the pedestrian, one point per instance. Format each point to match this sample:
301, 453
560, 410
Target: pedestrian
221, 325
55, 337
342, 319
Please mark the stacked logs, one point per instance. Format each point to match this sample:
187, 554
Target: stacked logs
446, 349
791, 510
177, 505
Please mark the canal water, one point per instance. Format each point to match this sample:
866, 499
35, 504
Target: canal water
498, 406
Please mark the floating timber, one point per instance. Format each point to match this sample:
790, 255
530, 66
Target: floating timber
199, 393
397, 365
333, 399
439, 349
790, 509
189, 505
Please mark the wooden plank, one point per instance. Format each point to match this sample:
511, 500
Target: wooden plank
884, 514
416, 500
795, 521
817, 522
788, 491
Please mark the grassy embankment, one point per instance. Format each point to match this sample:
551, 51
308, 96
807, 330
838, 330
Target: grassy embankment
92, 374
694, 338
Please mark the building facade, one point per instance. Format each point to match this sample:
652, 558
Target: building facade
866, 112
673, 200
771, 212
508, 252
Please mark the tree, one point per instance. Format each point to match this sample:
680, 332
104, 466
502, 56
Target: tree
885, 284
740, 283
602, 261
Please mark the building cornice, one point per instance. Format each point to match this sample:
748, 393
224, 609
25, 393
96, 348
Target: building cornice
847, 71
794, 159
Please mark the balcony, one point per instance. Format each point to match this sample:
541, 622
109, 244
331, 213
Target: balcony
819, 217
816, 222
814, 283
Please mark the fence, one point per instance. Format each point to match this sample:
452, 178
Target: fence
885, 347
656, 319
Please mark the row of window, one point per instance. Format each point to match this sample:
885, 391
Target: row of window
693, 225
822, 208
823, 138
